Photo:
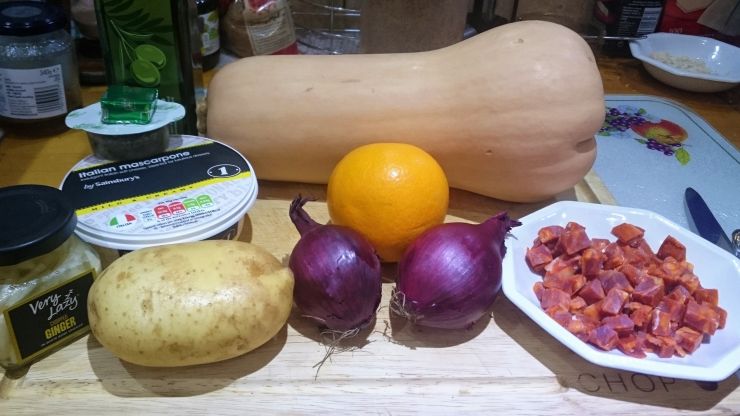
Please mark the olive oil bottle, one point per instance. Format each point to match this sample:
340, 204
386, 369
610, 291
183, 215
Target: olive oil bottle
150, 44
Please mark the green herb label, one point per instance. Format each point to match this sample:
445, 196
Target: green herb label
208, 24
43, 322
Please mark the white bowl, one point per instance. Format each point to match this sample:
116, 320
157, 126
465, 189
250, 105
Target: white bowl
716, 268
722, 59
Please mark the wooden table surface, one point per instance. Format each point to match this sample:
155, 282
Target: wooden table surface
504, 364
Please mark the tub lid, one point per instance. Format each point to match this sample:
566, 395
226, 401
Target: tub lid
194, 190
90, 119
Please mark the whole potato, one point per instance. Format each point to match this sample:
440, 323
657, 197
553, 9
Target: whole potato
190, 303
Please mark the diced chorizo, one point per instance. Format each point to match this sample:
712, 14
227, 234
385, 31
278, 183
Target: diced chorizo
689, 281
562, 264
721, 313
688, 339
640, 314
628, 344
626, 232
613, 302
577, 303
614, 256
672, 248
556, 280
620, 323
663, 346
537, 257
633, 274
572, 225
577, 281
555, 297
613, 295
591, 263
559, 315
580, 326
592, 292
660, 323
593, 311
574, 240
570, 283
702, 295
556, 310
671, 271
550, 233
679, 294
599, 244
643, 245
672, 307
649, 292
611, 279
538, 289
702, 318
642, 341
604, 337
636, 256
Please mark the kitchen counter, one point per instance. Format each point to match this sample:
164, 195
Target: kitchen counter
505, 363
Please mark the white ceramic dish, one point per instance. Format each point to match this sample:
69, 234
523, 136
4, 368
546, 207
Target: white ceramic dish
716, 268
722, 59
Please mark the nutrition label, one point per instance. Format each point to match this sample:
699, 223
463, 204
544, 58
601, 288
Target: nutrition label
32, 93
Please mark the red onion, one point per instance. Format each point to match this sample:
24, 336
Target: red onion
337, 273
450, 275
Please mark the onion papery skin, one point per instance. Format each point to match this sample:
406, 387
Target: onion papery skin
337, 274
450, 275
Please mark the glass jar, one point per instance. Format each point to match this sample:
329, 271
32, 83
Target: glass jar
39, 81
393, 26
45, 274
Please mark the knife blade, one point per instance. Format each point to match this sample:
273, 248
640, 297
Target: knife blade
704, 220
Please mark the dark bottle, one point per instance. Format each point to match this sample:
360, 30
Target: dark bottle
209, 32
627, 18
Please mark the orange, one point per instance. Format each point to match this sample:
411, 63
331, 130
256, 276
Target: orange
390, 193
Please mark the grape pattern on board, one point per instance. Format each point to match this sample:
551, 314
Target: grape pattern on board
619, 122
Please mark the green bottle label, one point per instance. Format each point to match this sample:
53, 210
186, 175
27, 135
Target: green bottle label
146, 44
209, 33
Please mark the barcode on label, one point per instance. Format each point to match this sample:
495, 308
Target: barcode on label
649, 21
48, 99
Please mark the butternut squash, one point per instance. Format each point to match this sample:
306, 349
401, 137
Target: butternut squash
510, 113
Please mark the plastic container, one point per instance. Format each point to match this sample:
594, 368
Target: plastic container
45, 274
126, 141
198, 189
39, 81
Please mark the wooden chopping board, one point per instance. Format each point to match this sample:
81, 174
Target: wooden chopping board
505, 363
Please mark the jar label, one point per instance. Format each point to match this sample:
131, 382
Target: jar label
32, 93
271, 29
44, 322
209, 33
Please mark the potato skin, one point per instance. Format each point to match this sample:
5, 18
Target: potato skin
190, 303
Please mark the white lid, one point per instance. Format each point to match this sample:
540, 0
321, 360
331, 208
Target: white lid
193, 191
